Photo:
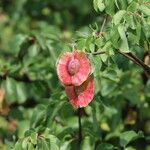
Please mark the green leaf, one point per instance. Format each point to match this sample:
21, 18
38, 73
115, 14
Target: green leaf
21, 131
31, 146
130, 21
67, 131
66, 145
25, 143
110, 7
51, 113
92, 47
133, 7
116, 3
124, 43
33, 137
108, 88
49, 142
129, 1
21, 92
24, 49
43, 144
114, 34
95, 5
15, 91
148, 20
89, 41
41, 40
99, 5
36, 120
138, 31
3, 124
123, 4
133, 38
16, 42
81, 43
132, 95
147, 89
18, 145
130, 148
104, 57
118, 16
33, 50
51, 50
54, 142
108, 48
10, 87
100, 42
87, 144
145, 10
129, 136
105, 146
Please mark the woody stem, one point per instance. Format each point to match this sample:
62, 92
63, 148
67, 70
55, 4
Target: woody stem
80, 127
131, 57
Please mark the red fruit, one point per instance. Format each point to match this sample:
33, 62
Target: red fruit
81, 96
73, 68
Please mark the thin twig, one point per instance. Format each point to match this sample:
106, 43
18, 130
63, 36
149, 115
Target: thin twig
104, 21
97, 53
80, 127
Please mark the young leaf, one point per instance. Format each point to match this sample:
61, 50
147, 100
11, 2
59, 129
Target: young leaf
118, 16
98, 5
124, 43
145, 10
133, 7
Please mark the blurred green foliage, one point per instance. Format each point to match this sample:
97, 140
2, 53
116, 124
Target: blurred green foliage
35, 112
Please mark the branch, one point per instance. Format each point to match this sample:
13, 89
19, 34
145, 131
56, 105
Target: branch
131, 57
136, 60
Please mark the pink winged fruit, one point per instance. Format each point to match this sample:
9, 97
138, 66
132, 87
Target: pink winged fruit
74, 72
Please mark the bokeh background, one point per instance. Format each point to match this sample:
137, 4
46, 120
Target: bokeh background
33, 105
